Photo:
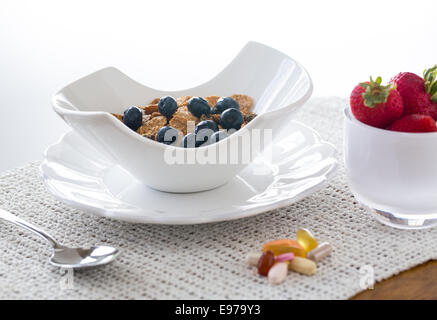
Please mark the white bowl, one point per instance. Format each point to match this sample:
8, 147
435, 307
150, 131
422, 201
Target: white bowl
393, 174
277, 83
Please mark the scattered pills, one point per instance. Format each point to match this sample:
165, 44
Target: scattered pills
278, 273
253, 258
306, 239
281, 246
303, 265
279, 256
285, 257
322, 251
266, 261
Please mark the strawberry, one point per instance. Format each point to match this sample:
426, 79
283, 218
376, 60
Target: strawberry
375, 104
414, 123
418, 94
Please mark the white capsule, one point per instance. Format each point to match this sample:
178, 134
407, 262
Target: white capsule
278, 273
253, 258
323, 250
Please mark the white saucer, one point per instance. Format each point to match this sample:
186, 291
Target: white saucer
75, 173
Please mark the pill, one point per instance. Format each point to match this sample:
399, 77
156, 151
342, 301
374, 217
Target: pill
303, 265
281, 246
322, 251
266, 261
278, 273
285, 257
253, 258
306, 239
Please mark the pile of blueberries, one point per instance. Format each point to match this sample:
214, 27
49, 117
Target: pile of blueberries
205, 132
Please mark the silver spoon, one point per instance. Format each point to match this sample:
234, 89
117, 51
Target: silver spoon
65, 257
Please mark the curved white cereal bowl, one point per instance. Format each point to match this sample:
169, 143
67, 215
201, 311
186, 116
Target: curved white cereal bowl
277, 84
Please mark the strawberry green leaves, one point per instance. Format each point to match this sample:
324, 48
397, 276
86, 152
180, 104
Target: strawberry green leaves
375, 92
430, 76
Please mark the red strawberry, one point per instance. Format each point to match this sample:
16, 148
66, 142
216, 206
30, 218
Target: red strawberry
414, 123
419, 95
376, 105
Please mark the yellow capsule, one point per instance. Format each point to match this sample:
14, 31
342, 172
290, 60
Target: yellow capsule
303, 265
306, 239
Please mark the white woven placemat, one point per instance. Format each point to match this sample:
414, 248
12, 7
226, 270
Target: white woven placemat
203, 261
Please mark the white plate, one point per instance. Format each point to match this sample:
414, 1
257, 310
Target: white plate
75, 173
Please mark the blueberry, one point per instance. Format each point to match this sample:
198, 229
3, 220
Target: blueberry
191, 141
205, 129
133, 118
206, 124
218, 136
199, 106
167, 106
231, 119
167, 135
224, 104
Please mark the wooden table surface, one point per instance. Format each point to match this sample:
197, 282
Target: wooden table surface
416, 283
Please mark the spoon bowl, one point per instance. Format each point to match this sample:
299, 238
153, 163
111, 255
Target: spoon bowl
83, 257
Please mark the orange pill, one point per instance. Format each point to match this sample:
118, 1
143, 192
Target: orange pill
281, 246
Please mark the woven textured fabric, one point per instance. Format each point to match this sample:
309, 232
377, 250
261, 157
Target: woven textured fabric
203, 261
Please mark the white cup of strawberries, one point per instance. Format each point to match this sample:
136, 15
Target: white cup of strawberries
408, 103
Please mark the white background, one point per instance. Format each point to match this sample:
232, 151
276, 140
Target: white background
44, 45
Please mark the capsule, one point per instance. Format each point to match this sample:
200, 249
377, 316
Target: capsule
306, 239
285, 257
278, 273
266, 261
253, 258
322, 251
303, 265
281, 246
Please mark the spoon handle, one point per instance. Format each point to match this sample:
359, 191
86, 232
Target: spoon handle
20, 222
